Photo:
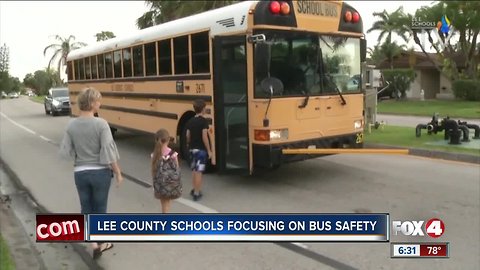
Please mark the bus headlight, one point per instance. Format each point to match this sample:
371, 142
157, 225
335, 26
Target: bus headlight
271, 135
278, 134
358, 124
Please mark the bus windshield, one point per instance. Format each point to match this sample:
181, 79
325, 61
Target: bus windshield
311, 64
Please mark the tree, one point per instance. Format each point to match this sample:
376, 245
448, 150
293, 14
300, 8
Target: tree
6, 83
375, 54
61, 50
104, 35
400, 80
463, 16
389, 50
4, 58
164, 11
42, 80
29, 81
389, 24
17, 86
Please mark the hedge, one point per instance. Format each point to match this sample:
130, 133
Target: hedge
467, 89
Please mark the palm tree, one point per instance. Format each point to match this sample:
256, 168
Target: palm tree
104, 35
390, 23
164, 11
376, 55
61, 50
389, 50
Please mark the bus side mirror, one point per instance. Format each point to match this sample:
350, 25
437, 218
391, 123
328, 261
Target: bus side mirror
272, 86
262, 58
363, 50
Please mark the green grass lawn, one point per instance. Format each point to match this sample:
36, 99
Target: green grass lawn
38, 99
6, 261
405, 137
452, 108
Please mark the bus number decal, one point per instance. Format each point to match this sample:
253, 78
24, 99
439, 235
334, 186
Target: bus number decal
200, 88
359, 138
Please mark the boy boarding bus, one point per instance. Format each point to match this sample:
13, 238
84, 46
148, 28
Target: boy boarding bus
275, 75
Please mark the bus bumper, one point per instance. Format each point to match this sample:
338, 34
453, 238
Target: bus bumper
270, 156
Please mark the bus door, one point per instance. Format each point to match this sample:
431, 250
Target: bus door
230, 96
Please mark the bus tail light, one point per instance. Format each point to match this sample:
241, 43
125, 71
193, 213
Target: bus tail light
355, 17
348, 16
351, 17
275, 7
285, 8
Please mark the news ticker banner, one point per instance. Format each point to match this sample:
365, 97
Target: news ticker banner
214, 227
420, 250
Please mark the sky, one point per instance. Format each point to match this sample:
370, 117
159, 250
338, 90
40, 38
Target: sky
28, 27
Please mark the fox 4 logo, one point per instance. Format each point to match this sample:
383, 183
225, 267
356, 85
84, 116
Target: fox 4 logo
434, 227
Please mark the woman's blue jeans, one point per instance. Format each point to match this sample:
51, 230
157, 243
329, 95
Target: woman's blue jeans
93, 187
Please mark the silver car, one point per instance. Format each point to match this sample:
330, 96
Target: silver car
57, 101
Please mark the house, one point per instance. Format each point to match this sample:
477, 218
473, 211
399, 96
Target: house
434, 84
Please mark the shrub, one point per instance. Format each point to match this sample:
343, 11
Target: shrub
400, 80
467, 89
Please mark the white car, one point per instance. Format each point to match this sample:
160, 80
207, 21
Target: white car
13, 95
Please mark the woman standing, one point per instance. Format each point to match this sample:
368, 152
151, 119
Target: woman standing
89, 141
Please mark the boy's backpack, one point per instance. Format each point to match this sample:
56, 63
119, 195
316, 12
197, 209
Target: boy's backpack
167, 181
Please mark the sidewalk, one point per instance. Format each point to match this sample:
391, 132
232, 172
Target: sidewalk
413, 121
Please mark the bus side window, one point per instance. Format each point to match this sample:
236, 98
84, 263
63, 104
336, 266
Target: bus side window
101, 66
82, 68
88, 69
150, 59
138, 61
165, 57
93, 63
117, 64
200, 53
180, 50
127, 62
77, 69
70, 71
108, 65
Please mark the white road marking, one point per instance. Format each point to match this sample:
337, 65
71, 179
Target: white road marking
45, 138
18, 125
300, 245
199, 207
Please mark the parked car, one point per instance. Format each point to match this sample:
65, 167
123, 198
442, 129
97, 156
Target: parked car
57, 101
13, 95
4, 95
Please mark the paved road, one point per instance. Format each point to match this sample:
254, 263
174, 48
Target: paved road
413, 121
407, 187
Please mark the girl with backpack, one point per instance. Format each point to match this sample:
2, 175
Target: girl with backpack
167, 184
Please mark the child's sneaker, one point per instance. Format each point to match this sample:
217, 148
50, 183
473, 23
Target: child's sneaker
196, 197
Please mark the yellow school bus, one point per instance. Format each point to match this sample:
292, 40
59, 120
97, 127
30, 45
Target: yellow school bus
275, 75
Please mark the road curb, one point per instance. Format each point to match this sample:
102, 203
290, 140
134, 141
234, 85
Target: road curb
432, 153
84, 255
